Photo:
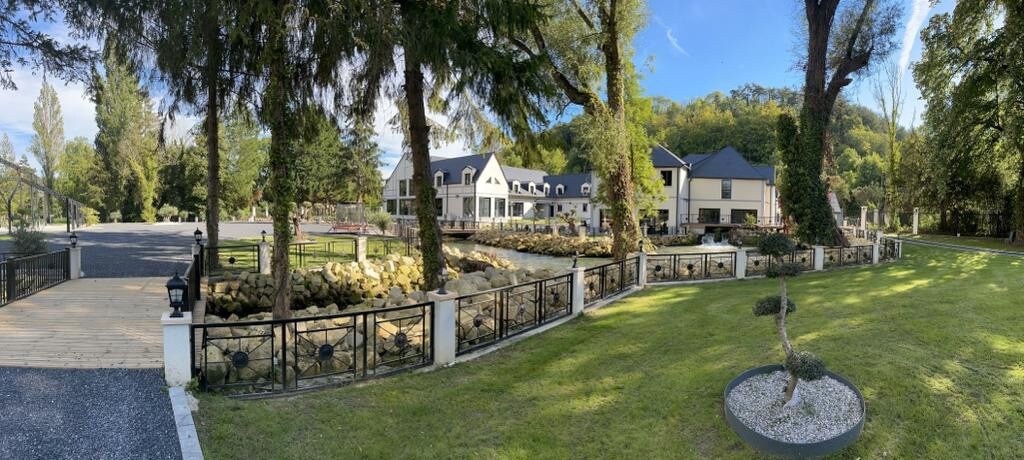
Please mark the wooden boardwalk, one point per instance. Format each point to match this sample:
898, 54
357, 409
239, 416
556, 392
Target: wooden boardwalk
86, 323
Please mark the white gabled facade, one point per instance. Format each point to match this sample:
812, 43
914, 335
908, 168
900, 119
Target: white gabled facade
719, 189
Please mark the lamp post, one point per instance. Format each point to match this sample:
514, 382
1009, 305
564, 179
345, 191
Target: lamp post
199, 235
74, 239
444, 279
176, 293
263, 234
575, 258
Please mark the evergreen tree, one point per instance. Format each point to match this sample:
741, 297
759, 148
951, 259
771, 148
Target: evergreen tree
48, 141
23, 44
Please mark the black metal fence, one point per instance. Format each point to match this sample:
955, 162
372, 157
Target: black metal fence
245, 257
24, 276
239, 257
842, 257
758, 264
888, 250
607, 280
488, 317
689, 267
271, 356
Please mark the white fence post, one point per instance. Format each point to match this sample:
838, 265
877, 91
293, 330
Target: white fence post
741, 263
915, 223
863, 217
819, 258
75, 263
177, 350
445, 324
874, 252
641, 274
264, 257
577, 290
360, 248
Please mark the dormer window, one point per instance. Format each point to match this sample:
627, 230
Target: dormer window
516, 187
560, 190
439, 179
547, 189
467, 178
585, 189
532, 188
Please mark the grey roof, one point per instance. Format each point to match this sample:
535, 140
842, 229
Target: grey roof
663, 158
524, 176
452, 167
572, 182
727, 164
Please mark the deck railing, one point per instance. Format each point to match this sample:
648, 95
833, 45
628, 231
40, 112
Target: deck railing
687, 267
607, 280
26, 275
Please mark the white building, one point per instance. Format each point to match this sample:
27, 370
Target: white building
718, 189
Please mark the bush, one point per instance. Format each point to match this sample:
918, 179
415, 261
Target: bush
689, 239
114, 216
776, 245
167, 211
770, 306
805, 365
92, 217
379, 219
28, 241
787, 269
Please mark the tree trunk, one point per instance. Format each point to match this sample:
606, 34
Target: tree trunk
282, 185
625, 232
422, 186
790, 387
780, 319
212, 142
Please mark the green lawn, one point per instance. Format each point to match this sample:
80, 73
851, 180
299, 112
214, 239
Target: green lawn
934, 342
325, 248
974, 241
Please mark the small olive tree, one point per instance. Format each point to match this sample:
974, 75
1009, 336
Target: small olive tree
801, 365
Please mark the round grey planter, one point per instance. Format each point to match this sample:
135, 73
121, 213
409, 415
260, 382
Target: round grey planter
786, 449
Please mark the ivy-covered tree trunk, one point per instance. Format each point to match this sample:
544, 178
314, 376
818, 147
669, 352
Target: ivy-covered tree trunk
282, 184
212, 177
422, 186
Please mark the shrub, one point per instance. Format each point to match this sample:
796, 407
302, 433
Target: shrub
28, 241
380, 219
182, 216
167, 211
770, 306
805, 365
92, 217
689, 239
775, 245
114, 216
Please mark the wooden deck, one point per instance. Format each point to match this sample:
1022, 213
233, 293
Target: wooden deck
86, 323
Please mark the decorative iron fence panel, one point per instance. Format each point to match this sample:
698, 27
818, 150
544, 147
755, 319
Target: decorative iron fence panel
606, 280
309, 352
758, 264
24, 276
685, 267
484, 318
230, 257
888, 250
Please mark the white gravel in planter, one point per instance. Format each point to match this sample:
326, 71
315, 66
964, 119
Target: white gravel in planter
827, 408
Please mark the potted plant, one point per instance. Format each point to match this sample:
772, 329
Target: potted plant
798, 408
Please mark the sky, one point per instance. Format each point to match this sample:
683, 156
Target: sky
689, 48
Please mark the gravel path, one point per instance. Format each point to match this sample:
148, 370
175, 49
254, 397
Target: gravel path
85, 413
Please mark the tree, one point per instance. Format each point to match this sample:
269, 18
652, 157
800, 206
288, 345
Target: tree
79, 174
243, 161
841, 43
801, 365
889, 96
182, 177
463, 47
48, 141
577, 49
22, 44
9, 183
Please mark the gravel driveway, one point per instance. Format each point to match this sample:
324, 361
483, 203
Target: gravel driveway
85, 413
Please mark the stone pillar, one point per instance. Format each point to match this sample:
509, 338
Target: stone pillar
581, 232
445, 327
361, 248
875, 218
899, 249
741, 263
916, 217
874, 252
819, 257
578, 289
863, 217
75, 263
642, 270
264, 258
177, 351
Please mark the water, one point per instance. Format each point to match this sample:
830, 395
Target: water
708, 244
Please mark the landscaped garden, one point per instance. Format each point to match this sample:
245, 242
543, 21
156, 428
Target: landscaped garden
931, 341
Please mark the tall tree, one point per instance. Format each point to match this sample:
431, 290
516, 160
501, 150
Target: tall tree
79, 174
888, 94
841, 42
48, 141
23, 44
581, 42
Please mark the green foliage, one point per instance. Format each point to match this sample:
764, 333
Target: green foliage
776, 245
114, 216
92, 216
805, 365
784, 269
26, 240
79, 173
48, 140
800, 186
25, 41
167, 212
380, 219
771, 305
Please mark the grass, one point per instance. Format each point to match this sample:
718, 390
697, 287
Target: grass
326, 248
933, 342
973, 241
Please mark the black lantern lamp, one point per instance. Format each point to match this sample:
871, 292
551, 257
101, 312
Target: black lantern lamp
641, 245
575, 258
444, 279
74, 239
176, 293
199, 235
263, 234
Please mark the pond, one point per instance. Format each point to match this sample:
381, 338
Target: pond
528, 260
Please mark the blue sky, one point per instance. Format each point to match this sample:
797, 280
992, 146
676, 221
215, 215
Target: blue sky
689, 48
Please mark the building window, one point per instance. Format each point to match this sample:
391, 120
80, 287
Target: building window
405, 207
499, 207
666, 177
467, 178
485, 207
392, 207
560, 210
739, 216
517, 209
403, 188
547, 189
585, 189
726, 189
585, 206
439, 180
467, 206
438, 206
516, 188
709, 216
560, 190
533, 188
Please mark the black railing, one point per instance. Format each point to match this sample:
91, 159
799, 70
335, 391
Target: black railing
484, 318
607, 280
24, 276
758, 264
853, 255
687, 267
193, 277
216, 260
888, 250
309, 352
317, 253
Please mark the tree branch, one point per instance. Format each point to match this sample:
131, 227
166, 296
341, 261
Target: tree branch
583, 15
582, 97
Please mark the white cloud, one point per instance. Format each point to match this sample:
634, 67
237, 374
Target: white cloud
16, 117
918, 14
671, 38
